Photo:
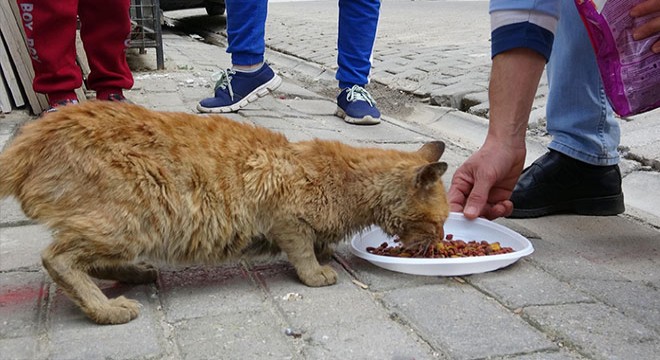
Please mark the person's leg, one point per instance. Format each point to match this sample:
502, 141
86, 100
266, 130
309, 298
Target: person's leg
358, 22
250, 77
246, 31
105, 27
50, 28
579, 175
580, 118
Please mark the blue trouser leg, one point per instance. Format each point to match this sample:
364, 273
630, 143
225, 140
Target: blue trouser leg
580, 118
358, 21
246, 28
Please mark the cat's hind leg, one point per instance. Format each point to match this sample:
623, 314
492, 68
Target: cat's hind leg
141, 273
324, 250
297, 241
69, 259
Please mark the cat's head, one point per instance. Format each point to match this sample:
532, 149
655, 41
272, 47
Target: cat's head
415, 200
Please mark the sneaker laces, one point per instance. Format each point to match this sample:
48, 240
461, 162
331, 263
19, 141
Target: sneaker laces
222, 80
357, 93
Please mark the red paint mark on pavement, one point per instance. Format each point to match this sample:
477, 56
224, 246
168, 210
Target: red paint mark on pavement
20, 295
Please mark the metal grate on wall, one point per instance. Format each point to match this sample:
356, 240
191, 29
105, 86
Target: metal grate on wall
146, 28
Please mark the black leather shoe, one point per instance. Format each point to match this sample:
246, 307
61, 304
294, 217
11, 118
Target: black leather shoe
558, 184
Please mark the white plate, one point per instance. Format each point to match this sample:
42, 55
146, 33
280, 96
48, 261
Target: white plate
463, 229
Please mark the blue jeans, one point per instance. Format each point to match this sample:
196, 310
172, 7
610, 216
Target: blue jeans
358, 21
579, 115
246, 30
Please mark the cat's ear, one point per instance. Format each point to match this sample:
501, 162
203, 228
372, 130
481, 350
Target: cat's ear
428, 175
432, 151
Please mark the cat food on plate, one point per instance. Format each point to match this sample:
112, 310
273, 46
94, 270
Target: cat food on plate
461, 228
447, 248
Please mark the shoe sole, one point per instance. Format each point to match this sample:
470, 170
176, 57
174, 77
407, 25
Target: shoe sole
257, 93
601, 206
367, 120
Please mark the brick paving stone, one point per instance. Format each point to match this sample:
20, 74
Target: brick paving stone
637, 300
391, 342
239, 334
167, 101
458, 319
10, 212
312, 107
480, 110
22, 295
555, 355
589, 329
73, 336
278, 124
333, 329
21, 246
517, 286
626, 248
206, 291
7, 131
554, 260
636, 190
23, 348
320, 305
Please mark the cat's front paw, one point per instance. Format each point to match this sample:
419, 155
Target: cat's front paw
119, 310
322, 276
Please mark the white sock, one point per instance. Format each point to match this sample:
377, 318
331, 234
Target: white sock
251, 69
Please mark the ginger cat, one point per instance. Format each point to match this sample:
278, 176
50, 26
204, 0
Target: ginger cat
121, 185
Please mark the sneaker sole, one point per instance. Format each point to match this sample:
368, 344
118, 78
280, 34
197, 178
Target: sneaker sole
261, 91
367, 120
601, 206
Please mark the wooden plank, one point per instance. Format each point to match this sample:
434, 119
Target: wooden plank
5, 102
10, 77
12, 32
81, 58
43, 100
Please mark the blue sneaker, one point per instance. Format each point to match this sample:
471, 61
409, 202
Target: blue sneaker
356, 106
235, 89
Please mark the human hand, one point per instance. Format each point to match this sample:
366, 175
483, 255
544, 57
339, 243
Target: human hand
649, 28
481, 187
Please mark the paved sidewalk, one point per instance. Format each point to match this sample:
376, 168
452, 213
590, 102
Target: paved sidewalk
590, 290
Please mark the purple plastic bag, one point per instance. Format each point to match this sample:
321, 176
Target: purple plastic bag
630, 70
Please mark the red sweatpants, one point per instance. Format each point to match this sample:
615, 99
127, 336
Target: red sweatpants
50, 27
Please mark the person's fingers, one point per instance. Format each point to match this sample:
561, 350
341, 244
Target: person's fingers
456, 198
645, 8
477, 199
460, 188
508, 208
455, 207
501, 209
647, 29
650, 28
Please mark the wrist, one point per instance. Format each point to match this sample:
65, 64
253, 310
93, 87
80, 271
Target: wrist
509, 137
